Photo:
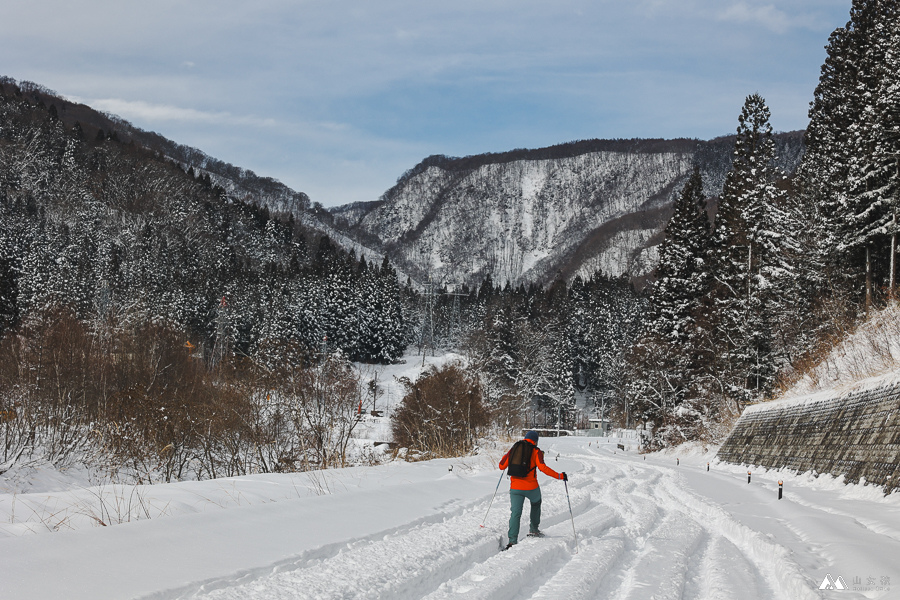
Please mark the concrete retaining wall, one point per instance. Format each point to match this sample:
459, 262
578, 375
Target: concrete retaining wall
856, 435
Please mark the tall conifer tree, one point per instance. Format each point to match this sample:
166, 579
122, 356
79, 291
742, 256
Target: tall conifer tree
667, 357
682, 270
842, 181
747, 263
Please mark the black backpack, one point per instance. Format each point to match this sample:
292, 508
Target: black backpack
519, 464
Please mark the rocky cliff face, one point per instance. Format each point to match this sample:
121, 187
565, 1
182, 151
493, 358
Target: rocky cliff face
527, 216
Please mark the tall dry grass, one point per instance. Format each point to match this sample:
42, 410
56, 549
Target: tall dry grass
852, 352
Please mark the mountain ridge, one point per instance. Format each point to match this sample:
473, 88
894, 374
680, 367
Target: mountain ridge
601, 203
242, 184
608, 240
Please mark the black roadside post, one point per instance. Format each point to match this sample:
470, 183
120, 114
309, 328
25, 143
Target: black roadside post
707, 466
748, 476
780, 488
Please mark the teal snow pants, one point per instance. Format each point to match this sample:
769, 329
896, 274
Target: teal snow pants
516, 500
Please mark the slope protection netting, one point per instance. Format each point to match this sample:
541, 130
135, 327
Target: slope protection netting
855, 435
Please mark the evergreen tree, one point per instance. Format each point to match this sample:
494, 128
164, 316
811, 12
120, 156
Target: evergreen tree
381, 317
617, 316
667, 360
868, 210
845, 188
558, 392
682, 271
10, 248
823, 173
579, 332
884, 174
747, 265
393, 321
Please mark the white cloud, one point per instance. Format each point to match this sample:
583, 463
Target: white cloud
328, 95
767, 15
147, 112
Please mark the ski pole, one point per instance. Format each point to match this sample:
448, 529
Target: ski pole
492, 498
566, 483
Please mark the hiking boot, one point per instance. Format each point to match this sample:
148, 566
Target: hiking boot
508, 546
536, 533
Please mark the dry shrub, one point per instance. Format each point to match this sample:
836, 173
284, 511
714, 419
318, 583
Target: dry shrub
715, 431
46, 387
508, 415
136, 403
133, 399
323, 405
442, 412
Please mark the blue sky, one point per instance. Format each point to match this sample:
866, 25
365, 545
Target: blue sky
338, 98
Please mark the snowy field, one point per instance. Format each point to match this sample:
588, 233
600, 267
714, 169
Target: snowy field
661, 527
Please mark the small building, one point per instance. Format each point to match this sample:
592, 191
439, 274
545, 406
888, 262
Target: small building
599, 426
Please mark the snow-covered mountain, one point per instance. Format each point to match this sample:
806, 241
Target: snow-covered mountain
533, 215
239, 184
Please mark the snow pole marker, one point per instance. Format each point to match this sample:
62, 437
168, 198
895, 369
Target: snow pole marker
780, 488
566, 483
492, 498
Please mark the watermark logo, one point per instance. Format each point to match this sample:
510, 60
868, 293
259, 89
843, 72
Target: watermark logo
871, 584
833, 584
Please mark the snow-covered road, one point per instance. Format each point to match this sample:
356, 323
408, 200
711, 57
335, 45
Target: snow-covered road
646, 529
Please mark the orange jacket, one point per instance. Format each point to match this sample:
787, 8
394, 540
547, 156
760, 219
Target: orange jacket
529, 482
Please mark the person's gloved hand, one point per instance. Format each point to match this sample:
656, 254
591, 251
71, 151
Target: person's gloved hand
564, 477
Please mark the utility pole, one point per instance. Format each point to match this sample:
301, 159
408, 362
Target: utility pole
220, 346
456, 312
428, 320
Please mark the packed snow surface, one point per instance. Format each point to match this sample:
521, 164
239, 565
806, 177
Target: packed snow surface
660, 527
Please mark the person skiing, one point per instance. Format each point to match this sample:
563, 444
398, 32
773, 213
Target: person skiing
523, 460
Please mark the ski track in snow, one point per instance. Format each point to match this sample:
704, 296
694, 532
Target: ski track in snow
642, 534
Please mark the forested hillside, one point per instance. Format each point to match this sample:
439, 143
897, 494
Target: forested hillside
111, 229
239, 183
143, 309
532, 215
745, 305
